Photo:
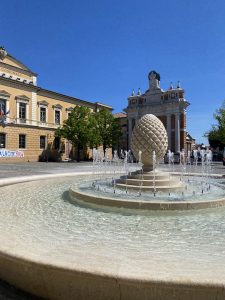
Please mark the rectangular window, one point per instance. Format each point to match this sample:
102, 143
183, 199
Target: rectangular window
57, 117
22, 111
2, 107
43, 114
22, 141
42, 142
2, 140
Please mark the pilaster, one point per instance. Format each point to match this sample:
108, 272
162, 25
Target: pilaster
34, 108
129, 132
177, 132
168, 129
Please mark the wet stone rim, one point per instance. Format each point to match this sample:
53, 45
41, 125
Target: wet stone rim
82, 198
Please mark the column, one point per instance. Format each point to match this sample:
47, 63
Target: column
129, 132
17, 112
168, 129
183, 130
27, 114
177, 132
34, 108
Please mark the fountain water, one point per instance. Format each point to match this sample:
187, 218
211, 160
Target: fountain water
148, 187
147, 145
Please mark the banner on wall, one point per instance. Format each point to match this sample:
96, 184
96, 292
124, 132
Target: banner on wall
9, 153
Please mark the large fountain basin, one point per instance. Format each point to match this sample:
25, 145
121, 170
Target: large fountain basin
57, 250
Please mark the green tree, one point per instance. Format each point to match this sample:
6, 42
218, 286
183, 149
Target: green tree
216, 135
105, 130
94, 134
76, 129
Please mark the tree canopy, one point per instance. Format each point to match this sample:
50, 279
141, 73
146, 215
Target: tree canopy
105, 130
85, 128
76, 129
216, 135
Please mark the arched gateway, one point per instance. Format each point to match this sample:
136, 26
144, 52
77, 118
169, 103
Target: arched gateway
169, 106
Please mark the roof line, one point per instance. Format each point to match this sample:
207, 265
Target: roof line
38, 88
71, 97
17, 60
19, 69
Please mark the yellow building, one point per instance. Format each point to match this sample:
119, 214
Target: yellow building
121, 119
30, 114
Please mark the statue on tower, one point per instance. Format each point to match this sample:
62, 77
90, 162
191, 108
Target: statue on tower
3, 53
154, 80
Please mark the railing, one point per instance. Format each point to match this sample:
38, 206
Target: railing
10, 120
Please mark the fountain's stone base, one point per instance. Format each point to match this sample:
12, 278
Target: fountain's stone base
136, 205
153, 181
74, 283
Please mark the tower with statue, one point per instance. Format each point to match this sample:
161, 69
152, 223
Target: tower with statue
169, 106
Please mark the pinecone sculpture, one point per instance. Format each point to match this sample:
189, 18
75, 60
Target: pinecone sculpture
149, 134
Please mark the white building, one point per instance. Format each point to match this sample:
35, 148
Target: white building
169, 106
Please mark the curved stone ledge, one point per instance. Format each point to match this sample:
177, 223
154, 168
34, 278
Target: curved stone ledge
53, 282
106, 202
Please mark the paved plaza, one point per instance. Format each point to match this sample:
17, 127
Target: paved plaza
38, 168
8, 292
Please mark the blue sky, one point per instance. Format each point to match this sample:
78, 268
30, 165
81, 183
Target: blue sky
99, 50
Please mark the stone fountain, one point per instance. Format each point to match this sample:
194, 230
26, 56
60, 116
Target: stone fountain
148, 188
149, 138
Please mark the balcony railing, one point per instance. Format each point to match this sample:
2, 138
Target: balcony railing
30, 122
22, 120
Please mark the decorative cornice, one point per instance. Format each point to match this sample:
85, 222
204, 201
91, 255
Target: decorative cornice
102, 105
22, 98
4, 94
57, 106
69, 109
27, 72
45, 103
18, 84
54, 95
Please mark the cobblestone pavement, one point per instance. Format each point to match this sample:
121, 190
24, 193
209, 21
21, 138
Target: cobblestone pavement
7, 292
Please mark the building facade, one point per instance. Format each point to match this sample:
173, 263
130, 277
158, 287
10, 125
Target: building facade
169, 106
121, 119
30, 114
